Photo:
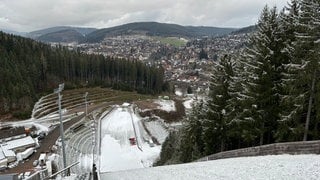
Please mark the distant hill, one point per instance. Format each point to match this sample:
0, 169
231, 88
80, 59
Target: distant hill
13, 32
248, 29
67, 35
156, 29
209, 31
59, 30
91, 35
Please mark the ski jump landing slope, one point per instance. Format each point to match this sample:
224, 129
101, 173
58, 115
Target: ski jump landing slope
116, 151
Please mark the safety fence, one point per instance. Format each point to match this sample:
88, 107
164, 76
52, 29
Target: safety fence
301, 147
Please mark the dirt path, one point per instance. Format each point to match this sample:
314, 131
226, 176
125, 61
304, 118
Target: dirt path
49, 141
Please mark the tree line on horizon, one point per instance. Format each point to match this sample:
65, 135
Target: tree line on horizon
29, 69
269, 94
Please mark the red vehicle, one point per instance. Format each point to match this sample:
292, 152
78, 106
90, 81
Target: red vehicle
132, 141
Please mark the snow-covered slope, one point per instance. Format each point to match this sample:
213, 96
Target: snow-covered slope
117, 153
262, 167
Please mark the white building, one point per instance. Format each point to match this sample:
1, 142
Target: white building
19, 145
9, 149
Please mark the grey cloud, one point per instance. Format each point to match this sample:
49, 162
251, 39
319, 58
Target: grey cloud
27, 15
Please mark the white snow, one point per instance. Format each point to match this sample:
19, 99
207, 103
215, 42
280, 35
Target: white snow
166, 105
262, 167
116, 151
86, 161
41, 128
71, 177
157, 130
178, 93
188, 103
125, 104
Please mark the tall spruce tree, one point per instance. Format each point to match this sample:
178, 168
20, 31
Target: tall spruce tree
289, 126
263, 66
192, 146
235, 106
217, 124
304, 72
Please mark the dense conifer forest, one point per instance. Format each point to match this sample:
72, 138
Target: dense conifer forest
29, 69
269, 94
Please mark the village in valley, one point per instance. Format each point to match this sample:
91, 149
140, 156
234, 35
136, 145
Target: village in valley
186, 62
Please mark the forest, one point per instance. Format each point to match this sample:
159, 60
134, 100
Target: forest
269, 94
30, 69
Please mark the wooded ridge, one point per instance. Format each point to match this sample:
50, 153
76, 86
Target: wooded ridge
29, 69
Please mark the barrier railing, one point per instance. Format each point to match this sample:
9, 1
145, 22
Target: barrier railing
301, 147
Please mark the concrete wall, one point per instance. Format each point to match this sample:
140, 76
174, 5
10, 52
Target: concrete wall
307, 147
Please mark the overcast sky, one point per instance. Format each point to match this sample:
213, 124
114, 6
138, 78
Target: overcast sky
29, 15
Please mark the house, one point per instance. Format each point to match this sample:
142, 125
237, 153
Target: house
9, 154
19, 145
3, 160
8, 149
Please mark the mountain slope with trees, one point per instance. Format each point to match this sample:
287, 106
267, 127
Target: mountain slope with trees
156, 29
41, 32
65, 36
245, 30
271, 93
29, 69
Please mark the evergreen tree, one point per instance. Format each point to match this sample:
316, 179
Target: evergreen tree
203, 54
263, 65
189, 90
304, 72
170, 150
236, 106
192, 145
216, 124
289, 126
29, 68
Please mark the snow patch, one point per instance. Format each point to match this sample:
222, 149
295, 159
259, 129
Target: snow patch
178, 93
125, 104
41, 128
166, 105
188, 103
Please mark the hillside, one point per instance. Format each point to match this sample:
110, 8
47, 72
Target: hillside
72, 34
209, 31
156, 29
245, 30
67, 35
8, 31
41, 32
29, 69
